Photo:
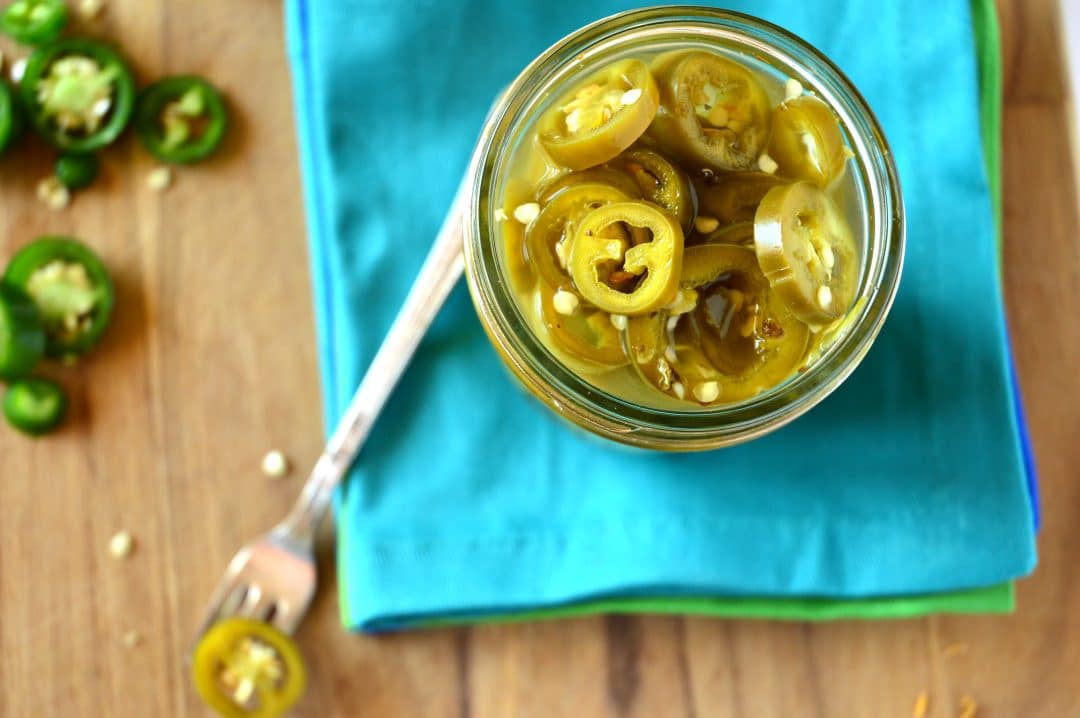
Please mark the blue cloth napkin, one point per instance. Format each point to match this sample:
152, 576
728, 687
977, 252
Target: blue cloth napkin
471, 499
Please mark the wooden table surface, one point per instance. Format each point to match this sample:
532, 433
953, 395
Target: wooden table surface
210, 363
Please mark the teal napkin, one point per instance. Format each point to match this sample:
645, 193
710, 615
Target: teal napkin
471, 500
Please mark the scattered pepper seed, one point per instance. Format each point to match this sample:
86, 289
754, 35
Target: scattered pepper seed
18, 69
619, 321
274, 464
500, 215
121, 545
527, 212
922, 703
955, 649
630, 96
705, 225
827, 257
792, 89
565, 302
824, 297
90, 9
132, 638
679, 389
53, 194
707, 392
767, 164
159, 179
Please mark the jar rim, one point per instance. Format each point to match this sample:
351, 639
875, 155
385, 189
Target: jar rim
573, 396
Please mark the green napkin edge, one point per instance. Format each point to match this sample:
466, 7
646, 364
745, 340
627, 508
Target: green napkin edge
996, 599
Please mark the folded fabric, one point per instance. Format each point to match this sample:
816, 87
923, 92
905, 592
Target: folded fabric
471, 500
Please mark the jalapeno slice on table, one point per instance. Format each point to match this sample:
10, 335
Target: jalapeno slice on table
76, 171
10, 119
34, 406
712, 111
33, 22
807, 252
661, 183
601, 116
22, 339
248, 669
617, 275
806, 141
181, 119
549, 237
79, 94
71, 288
583, 331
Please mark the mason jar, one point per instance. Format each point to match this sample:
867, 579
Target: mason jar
875, 205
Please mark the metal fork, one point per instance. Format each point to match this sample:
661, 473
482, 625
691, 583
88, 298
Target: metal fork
273, 578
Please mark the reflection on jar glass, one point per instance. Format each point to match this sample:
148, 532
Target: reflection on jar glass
685, 228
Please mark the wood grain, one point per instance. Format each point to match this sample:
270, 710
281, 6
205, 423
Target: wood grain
209, 364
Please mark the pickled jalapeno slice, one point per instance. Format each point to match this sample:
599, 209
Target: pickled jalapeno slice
713, 111
79, 94
582, 330
620, 276
248, 669
807, 252
743, 332
733, 197
601, 116
661, 183
549, 237
595, 175
806, 141
741, 234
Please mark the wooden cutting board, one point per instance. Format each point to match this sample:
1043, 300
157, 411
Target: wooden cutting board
211, 362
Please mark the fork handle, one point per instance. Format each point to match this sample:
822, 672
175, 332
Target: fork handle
440, 272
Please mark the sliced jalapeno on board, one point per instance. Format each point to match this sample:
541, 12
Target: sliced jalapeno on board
806, 141
713, 112
79, 94
248, 669
619, 277
601, 116
22, 339
34, 406
76, 171
10, 118
33, 22
181, 119
807, 251
71, 288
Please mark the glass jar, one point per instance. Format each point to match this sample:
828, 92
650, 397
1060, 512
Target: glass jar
560, 387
